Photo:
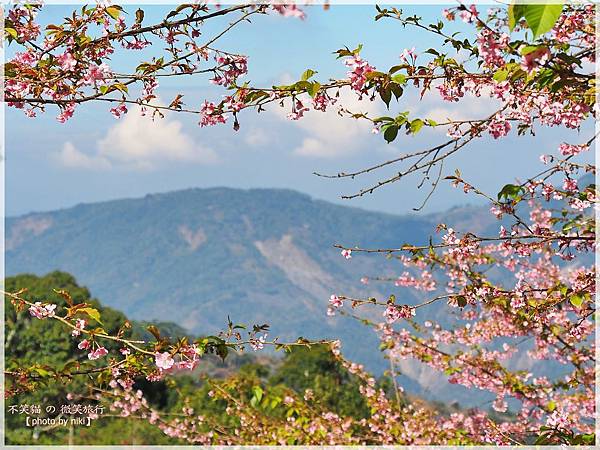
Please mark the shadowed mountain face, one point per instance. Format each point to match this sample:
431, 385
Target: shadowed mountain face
197, 256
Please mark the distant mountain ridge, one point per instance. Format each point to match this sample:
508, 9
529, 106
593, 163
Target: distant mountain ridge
197, 256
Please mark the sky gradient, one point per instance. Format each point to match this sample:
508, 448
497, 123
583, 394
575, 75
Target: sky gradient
95, 157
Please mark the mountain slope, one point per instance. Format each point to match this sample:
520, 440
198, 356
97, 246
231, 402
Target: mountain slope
197, 256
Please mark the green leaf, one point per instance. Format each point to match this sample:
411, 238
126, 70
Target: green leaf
396, 90
222, 351
500, 75
70, 366
510, 191
114, 11
307, 74
91, 312
395, 69
257, 397
390, 132
11, 32
540, 17
576, 300
515, 12
526, 50
41, 371
302, 85
121, 87
258, 392
383, 119
416, 125
399, 78
314, 89
386, 96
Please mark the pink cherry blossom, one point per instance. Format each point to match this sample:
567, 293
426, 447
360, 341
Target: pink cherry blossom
570, 185
320, 102
79, 326
568, 149
258, 343
42, 311
118, 111
335, 301
469, 14
96, 74
499, 127
66, 61
66, 113
533, 60
289, 10
392, 313
408, 55
491, 47
98, 353
359, 69
164, 360
298, 110
209, 115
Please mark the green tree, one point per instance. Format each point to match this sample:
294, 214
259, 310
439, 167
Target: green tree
316, 369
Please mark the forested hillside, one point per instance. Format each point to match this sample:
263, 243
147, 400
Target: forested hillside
44, 343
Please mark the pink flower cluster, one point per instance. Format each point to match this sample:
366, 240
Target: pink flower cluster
533, 60
79, 326
209, 115
359, 68
258, 343
98, 353
164, 361
118, 111
499, 127
96, 74
298, 110
469, 14
392, 313
289, 10
320, 102
42, 311
230, 67
188, 359
491, 47
572, 150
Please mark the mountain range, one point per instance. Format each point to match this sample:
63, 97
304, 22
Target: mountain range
200, 256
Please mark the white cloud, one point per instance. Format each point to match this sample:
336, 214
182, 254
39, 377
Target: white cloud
139, 142
69, 156
257, 137
328, 135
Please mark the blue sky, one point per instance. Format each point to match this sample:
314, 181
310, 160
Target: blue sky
51, 165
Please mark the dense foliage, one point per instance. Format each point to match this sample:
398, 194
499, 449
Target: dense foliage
43, 345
